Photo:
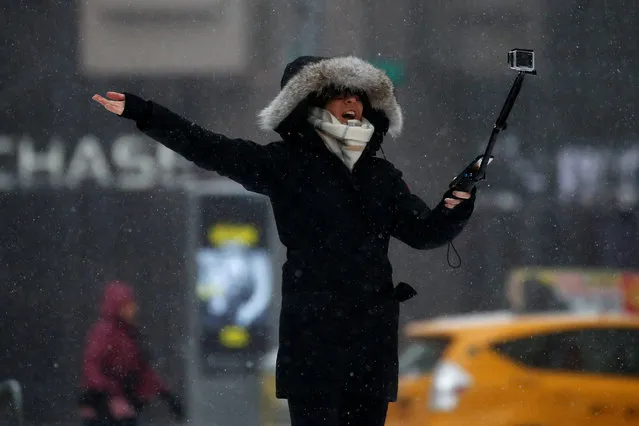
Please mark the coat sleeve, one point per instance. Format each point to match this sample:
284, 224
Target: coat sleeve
252, 165
423, 228
150, 384
94, 353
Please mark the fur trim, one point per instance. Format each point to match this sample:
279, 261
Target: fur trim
350, 72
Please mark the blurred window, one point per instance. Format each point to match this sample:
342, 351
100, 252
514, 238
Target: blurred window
608, 351
422, 355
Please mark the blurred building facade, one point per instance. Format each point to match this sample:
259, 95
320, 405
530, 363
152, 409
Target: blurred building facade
85, 198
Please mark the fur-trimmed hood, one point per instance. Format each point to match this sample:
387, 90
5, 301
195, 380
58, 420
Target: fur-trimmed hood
310, 75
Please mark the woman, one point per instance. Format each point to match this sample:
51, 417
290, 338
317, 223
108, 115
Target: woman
336, 205
117, 379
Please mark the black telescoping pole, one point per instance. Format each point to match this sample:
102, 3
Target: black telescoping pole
501, 122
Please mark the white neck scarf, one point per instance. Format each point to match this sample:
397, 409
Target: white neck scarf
347, 141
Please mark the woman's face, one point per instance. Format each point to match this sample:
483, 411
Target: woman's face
346, 106
128, 313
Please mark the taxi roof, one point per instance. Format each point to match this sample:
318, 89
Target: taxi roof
506, 320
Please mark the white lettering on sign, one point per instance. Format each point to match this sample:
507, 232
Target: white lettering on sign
88, 163
129, 163
580, 172
583, 175
596, 176
139, 168
628, 164
49, 160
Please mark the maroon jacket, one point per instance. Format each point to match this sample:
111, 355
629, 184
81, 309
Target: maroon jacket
114, 361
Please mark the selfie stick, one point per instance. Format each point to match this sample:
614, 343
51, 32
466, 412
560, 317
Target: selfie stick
476, 171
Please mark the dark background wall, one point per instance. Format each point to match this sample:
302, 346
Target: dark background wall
563, 190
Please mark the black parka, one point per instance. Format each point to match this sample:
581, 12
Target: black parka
339, 317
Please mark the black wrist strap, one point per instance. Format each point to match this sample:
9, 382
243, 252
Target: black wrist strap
448, 256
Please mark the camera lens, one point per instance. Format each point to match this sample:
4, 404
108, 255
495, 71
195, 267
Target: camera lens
525, 59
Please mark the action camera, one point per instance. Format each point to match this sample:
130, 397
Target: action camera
522, 60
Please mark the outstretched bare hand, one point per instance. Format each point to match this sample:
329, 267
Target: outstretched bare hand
114, 103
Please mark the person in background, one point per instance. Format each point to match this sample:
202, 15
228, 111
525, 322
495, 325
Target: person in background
117, 377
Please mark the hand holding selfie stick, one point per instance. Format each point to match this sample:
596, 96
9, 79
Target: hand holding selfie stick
521, 60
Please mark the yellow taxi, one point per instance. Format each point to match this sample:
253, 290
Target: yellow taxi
503, 369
